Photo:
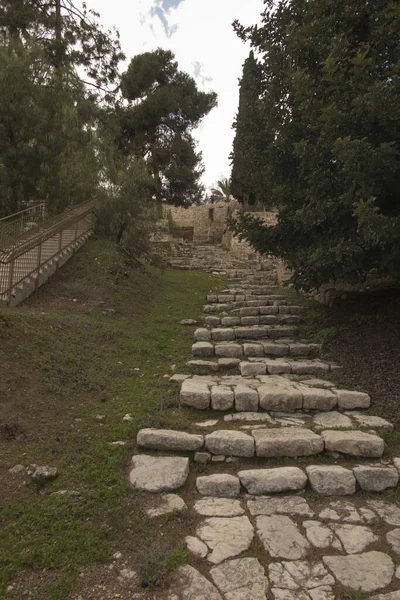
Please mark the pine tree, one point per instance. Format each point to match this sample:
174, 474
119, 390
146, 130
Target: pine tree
248, 143
164, 107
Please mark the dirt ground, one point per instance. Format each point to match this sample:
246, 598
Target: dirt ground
367, 345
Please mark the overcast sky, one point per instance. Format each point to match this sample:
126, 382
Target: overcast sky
200, 34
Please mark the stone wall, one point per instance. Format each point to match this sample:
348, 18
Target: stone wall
207, 224
241, 249
208, 221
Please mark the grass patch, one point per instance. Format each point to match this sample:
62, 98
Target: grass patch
88, 348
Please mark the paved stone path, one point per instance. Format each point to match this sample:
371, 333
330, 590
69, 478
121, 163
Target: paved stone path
287, 499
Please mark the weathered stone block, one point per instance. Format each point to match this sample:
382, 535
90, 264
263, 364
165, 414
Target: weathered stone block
222, 397
250, 369
253, 350
269, 310
251, 333
212, 321
275, 349
249, 311
354, 443
317, 399
230, 321
202, 349
267, 481
269, 320
279, 395
222, 335
376, 478
158, 473
166, 439
228, 350
221, 485
348, 400
246, 399
202, 335
230, 443
276, 366
331, 480
293, 441
195, 393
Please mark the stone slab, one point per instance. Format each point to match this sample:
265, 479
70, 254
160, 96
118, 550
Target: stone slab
331, 480
246, 399
349, 400
226, 538
281, 505
365, 572
192, 585
222, 397
218, 507
169, 440
281, 537
241, 579
222, 485
195, 394
266, 481
203, 349
280, 395
158, 473
230, 443
168, 503
292, 442
376, 478
354, 443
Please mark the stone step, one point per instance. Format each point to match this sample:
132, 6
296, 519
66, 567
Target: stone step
290, 442
314, 420
256, 349
267, 319
265, 392
324, 479
255, 332
285, 366
253, 290
254, 366
231, 307
237, 297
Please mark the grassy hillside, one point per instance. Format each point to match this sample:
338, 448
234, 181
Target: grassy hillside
90, 347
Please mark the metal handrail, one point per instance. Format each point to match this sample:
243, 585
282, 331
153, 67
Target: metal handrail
27, 259
52, 226
21, 212
14, 226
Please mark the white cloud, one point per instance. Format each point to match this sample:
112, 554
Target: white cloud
200, 34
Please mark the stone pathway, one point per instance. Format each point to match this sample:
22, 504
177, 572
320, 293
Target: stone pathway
286, 500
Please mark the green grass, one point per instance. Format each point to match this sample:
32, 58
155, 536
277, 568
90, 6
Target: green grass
63, 363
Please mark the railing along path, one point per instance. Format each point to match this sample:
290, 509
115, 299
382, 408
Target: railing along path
25, 256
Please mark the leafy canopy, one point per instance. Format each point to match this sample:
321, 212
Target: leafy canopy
329, 125
164, 106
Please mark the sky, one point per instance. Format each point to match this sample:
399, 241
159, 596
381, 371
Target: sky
200, 34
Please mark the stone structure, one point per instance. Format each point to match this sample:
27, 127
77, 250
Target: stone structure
268, 520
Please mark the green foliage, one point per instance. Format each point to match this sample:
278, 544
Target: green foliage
164, 108
222, 190
249, 142
127, 211
329, 86
48, 113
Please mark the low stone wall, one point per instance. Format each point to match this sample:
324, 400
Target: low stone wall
208, 221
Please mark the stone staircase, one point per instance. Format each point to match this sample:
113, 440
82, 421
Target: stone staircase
268, 422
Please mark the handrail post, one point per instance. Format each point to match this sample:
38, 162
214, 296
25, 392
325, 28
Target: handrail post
10, 281
59, 247
39, 260
76, 233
